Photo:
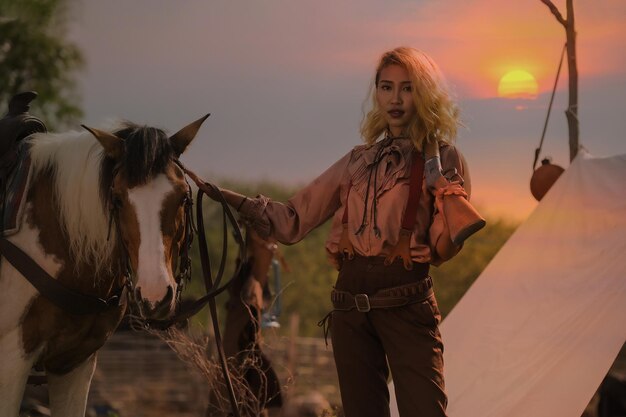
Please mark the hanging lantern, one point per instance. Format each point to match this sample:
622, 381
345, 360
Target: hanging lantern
543, 178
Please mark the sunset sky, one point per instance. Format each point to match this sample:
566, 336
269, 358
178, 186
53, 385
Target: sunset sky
286, 80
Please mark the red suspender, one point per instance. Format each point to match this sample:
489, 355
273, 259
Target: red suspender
415, 192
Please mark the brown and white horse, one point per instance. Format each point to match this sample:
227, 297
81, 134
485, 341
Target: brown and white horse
79, 181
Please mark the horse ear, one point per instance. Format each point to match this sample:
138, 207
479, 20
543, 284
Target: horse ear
113, 145
181, 139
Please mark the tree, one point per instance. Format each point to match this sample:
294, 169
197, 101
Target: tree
36, 55
572, 108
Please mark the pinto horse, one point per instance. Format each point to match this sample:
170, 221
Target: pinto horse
99, 205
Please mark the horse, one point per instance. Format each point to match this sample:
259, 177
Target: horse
99, 205
248, 297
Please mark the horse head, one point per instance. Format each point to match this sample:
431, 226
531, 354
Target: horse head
150, 202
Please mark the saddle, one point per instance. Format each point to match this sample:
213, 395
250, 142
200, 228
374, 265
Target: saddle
16, 125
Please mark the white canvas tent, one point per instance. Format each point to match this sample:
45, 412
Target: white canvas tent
538, 330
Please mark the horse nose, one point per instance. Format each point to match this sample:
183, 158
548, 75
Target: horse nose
158, 310
165, 305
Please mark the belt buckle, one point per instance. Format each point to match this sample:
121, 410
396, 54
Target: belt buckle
362, 302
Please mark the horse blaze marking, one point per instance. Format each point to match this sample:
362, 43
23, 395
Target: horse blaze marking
153, 272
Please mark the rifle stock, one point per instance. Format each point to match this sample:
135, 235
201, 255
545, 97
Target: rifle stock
462, 218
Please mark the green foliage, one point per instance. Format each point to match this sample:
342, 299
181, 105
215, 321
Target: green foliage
308, 285
306, 289
35, 55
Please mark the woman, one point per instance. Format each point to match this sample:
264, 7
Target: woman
387, 228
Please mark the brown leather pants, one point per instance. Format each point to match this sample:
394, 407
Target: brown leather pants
405, 339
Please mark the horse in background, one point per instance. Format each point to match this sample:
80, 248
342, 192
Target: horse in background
249, 296
98, 205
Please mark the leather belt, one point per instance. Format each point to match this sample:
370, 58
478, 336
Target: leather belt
385, 298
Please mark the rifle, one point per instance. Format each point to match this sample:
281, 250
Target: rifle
461, 217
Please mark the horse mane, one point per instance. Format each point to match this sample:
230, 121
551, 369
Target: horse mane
73, 159
82, 176
147, 152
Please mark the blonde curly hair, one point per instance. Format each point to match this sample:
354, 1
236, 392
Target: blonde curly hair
437, 115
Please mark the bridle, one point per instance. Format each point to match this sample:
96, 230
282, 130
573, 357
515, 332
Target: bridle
183, 274
212, 284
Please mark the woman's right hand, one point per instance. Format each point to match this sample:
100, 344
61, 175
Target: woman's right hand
209, 189
218, 194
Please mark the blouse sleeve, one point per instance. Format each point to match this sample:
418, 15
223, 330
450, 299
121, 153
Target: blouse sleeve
291, 221
451, 160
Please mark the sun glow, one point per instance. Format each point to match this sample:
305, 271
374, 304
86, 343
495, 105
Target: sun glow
518, 84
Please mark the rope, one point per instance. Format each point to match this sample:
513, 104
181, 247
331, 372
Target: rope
545, 125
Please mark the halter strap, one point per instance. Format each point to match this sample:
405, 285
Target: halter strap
65, 298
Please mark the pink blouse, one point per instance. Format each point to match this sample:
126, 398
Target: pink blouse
328, 195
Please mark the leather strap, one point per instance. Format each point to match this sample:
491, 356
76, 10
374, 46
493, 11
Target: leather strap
402, 248
66, 299
210, 285
415, 191
386, 298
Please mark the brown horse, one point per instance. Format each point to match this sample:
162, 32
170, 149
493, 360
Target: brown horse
242, 332
98, 205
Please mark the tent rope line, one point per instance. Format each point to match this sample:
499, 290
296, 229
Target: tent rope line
545, 125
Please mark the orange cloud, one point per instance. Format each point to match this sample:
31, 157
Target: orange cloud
478, 42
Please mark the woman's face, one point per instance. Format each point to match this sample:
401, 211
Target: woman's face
395, 98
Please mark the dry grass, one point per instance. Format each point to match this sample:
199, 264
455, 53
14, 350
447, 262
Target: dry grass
195, 352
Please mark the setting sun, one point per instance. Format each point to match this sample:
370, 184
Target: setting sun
518, 84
